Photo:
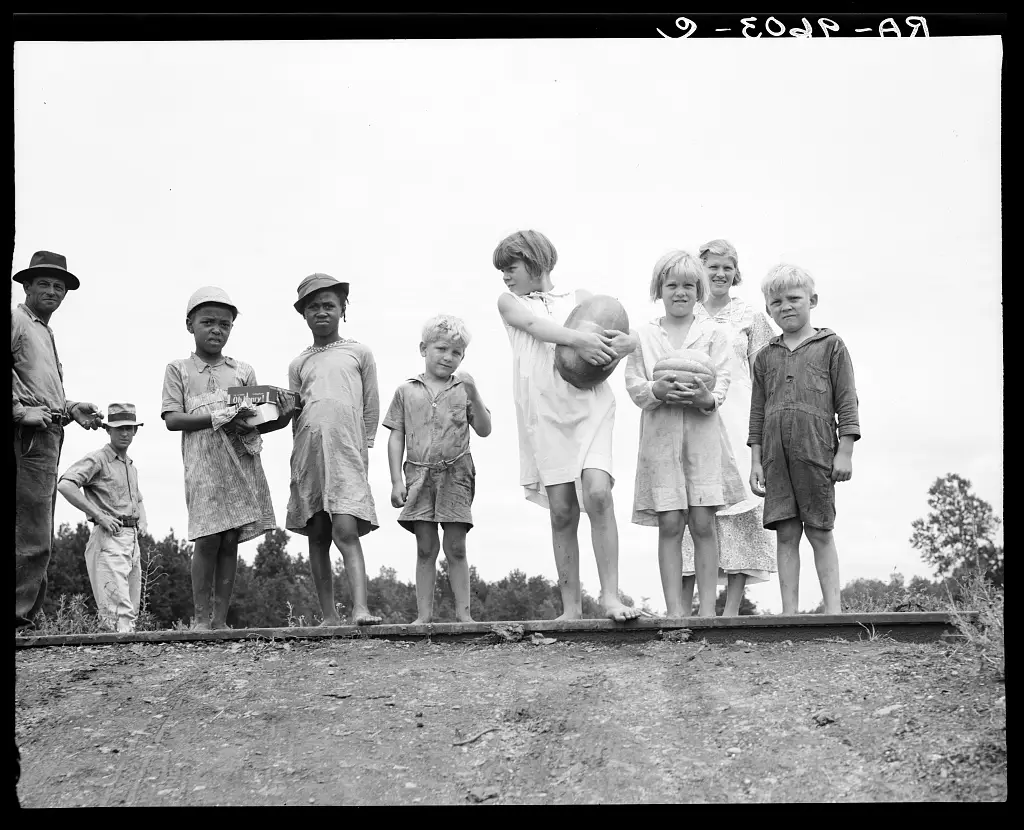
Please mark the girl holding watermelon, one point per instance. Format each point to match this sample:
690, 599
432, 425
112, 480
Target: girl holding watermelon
565, 433
679, 376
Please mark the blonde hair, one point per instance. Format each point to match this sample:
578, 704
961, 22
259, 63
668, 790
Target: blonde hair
722, 248
532, 247
678, 263
445, 327
785, 276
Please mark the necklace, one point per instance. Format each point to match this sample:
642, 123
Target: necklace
314, 349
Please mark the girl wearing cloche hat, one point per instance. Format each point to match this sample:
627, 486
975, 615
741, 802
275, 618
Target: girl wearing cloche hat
330, 498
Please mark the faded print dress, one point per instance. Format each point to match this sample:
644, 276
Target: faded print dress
225, 487
744, 546
331, 434
684, 459
562, 430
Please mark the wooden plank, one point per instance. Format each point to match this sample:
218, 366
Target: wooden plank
914, 625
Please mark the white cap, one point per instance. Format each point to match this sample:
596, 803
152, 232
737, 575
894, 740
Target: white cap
209, 294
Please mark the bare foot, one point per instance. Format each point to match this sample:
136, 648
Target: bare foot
621, 613
334, 619
467, 618
364, 618
566, 616
421, 621
201, 626
676, 612
219, 624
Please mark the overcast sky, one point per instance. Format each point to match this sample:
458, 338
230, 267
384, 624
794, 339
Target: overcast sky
157, 168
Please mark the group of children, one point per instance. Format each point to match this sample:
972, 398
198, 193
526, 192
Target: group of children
686, 469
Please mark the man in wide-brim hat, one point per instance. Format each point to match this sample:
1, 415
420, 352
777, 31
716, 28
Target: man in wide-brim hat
40, 414
105, 486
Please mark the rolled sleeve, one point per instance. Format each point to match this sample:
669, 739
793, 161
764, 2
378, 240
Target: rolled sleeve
844, 391
638, 385
83, 471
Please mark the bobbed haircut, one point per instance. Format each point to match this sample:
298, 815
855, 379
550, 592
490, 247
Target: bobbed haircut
679, 264
445, 327
532, 247
722, 248
192, 314
785, 276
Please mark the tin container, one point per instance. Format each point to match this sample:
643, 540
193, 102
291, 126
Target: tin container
266, 400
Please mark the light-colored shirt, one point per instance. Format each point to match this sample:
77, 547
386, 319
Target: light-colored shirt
109, 483
37, 377
436, 427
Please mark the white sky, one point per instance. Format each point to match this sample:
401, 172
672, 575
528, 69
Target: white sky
398, 166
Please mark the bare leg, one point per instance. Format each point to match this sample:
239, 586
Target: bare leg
734, 594
689, 582
224, 581
427, 547
565, 520
346, 537
670, 560
319, 539
701, 521
204, 566
826, 562
458, 567
788, 533
604, 534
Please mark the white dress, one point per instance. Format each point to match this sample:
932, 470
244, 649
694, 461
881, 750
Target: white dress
562, 430
744, 546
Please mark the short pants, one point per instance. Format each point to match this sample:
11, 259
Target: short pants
439, 493
798, 488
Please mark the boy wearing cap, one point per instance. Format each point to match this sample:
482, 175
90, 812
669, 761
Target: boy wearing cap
226, 490
105, 486
40, 413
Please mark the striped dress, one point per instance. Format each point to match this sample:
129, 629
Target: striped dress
225, 488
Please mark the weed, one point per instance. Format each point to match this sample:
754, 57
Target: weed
73, 616
983, 633
874, 636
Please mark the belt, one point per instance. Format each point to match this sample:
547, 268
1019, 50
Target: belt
443, 464
126, 521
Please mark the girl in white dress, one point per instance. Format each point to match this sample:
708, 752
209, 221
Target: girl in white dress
685, 469
565, 433
746, 551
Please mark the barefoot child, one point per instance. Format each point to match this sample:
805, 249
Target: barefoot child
430, 415
685, 468
225, 488
330, 499
565, 433
110, 497
802, 384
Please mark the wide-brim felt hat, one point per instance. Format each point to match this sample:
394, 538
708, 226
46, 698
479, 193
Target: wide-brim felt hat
121, 415
48, 264
313, 283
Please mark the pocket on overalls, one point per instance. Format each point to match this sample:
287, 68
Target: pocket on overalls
818, 379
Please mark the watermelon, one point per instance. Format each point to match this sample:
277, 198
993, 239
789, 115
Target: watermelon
685, 366
595, 315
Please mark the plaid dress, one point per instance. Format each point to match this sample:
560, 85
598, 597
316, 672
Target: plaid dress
225, 487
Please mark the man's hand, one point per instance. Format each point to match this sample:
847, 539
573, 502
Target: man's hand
109, 523
37, 417
757, 479
87, 415
398, 494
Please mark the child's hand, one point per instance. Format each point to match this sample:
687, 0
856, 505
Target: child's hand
595, 348
757, 479
842, 466
467, 380
238, 424
622, 342
662, 388
696, 394
398, 494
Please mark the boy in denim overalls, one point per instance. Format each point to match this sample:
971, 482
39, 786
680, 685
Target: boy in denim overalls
802, 384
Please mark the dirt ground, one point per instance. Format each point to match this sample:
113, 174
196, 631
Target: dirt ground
374, 722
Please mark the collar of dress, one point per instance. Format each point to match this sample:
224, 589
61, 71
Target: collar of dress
202, 365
